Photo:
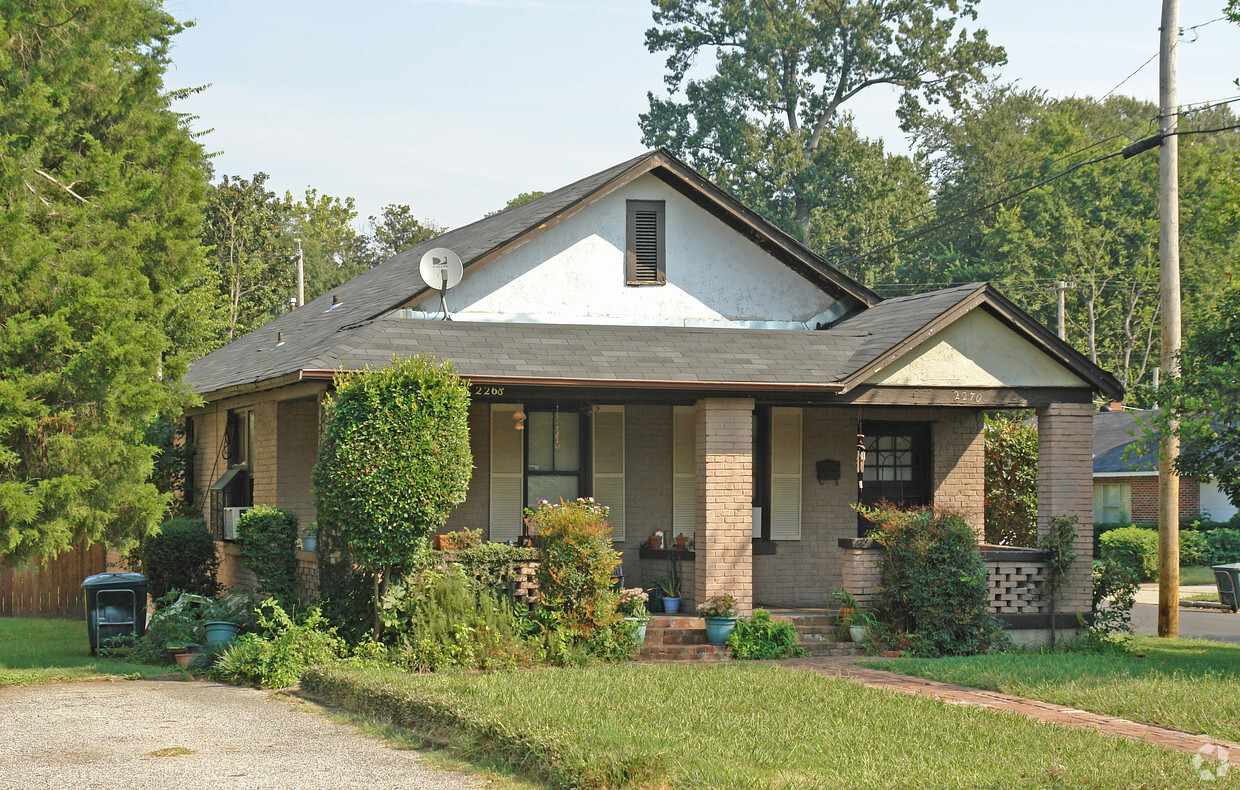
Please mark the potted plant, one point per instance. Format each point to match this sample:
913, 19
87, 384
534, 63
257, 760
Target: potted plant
222, 619
632, 605
670, 586
719, 612
861, 623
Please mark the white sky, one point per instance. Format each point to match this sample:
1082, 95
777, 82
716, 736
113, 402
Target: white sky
455, 106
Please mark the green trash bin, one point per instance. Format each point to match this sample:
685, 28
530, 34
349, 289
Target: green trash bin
1227, 578
115, 607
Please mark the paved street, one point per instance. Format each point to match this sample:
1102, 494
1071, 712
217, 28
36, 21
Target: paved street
1199, 623
157, 735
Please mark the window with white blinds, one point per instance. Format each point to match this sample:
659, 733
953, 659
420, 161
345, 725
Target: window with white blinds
684, 470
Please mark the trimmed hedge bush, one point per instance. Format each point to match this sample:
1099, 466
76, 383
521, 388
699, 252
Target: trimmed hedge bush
181, 556
1192, 548
1133, 547
268, 539
1222, 546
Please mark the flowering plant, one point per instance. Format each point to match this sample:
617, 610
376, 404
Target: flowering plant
632, 602
718, 606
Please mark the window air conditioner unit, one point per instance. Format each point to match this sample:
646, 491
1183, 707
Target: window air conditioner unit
231, 514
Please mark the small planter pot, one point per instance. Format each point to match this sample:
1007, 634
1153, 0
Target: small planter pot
718, 628
220, 632
309, 542
892, 653
857, 633
184, 656
671, 605
639, 636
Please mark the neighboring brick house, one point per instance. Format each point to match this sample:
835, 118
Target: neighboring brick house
1126, 475
641, 337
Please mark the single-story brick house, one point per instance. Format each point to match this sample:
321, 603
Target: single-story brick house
1126, 475
641, 337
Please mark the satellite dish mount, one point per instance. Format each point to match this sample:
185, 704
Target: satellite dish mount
441, 269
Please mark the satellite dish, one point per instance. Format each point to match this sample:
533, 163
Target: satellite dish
441, 268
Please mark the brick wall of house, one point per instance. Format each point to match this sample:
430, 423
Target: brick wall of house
209, 462
1143, 507
1065, 488
804, 573
264, 467
647, 488
724, 533
297, 438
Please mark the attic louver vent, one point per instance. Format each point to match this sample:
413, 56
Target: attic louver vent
644, 256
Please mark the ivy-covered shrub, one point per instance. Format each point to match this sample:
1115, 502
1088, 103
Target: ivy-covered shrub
181, 556
1222, 546
268, 539
1115, 591
438, 618
284, 649
934, 586
575, 586
1134, 547
761, 637
394, 461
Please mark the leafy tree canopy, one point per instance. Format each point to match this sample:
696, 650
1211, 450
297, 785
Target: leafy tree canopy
102, 188
784, 70
396, 229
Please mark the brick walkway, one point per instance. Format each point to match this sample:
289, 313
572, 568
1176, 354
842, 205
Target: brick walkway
993, 700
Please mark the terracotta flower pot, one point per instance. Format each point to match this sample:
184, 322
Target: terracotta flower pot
681, 543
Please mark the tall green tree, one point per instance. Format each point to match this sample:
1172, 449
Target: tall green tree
396, 229
1095, 228
101, 195
1205, 400
245, 231
334, 251
784, 70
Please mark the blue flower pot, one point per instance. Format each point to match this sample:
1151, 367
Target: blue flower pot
639, 636
671, 605
220, 632
718, 628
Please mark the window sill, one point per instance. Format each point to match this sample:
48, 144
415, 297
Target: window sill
647, 553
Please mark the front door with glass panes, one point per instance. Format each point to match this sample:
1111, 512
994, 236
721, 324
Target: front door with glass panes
553, 456
897, 466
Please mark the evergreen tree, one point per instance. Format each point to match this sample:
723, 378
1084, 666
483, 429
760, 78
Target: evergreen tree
101, 194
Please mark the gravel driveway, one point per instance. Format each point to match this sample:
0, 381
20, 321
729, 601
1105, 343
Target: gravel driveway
166, 734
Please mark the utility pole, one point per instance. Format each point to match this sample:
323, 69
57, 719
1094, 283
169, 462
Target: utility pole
1060, 289
1169, 285
301, 275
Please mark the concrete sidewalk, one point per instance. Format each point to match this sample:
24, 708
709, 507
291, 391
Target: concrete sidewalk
1148, 593
1042, 711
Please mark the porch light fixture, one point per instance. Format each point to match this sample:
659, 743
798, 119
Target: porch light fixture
519, 418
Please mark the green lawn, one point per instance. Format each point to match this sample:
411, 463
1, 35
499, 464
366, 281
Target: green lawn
1196, 574
37, 650
739, 725
1185, 684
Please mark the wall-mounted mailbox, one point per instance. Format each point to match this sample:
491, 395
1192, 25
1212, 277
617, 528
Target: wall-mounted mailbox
828, 470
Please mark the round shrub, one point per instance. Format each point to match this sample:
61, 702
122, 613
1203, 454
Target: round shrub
268, 539
935, 591
1133, 547
181, 556
574, 578
393, 463
1222, 546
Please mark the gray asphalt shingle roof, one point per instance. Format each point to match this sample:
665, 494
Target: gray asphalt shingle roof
1114, 431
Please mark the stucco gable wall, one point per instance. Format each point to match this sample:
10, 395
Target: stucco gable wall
977, 351
575, 273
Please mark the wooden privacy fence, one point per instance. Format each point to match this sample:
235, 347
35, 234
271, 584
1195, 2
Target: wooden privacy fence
51, 590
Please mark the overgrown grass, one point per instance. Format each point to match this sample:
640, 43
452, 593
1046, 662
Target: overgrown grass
1196, 574
738, 726
38, 650
1186, 684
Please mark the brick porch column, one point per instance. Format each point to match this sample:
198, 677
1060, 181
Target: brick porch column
724, 531
1066, 488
